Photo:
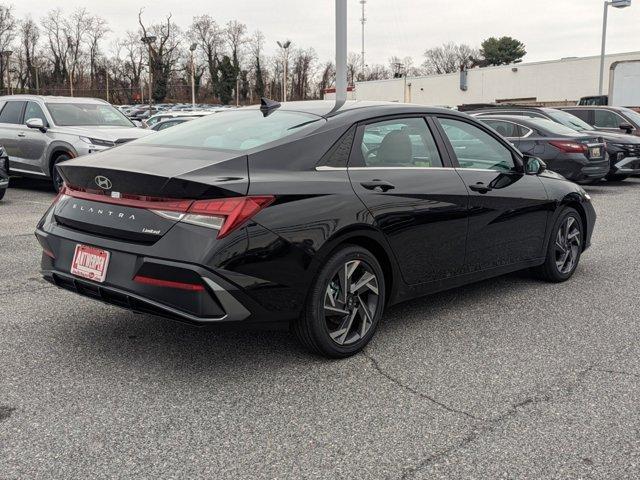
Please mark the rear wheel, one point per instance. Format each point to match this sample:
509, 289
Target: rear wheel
56, 178
345, 304
565, 248
2, 192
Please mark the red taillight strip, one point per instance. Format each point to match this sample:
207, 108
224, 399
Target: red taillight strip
156, 282
135, 201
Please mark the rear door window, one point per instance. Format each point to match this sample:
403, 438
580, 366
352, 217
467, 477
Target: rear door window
506, 129
607, 119
12, 112
399, 143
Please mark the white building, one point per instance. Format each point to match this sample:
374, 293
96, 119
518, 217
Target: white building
555, 82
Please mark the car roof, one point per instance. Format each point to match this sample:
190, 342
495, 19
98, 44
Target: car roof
54, 99
355, 110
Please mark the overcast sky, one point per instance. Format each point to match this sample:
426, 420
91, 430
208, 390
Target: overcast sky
550, 29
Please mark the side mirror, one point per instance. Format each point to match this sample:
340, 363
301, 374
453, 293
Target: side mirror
626, 127
534, 165
36, 123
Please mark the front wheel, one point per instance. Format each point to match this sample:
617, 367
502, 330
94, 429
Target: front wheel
56, 178
344, 305
616, 177
565, 247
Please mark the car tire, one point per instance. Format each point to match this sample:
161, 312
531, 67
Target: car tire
2, 192
335, 324
56, 179
566, 243
612, 177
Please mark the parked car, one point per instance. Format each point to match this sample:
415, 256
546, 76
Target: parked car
159, 117
623, 150
329, 230
578, 157
611, 119
40, 132
163, 125
4, 172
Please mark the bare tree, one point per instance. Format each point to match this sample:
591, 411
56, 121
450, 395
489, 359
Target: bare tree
29, 35
327, 77
207, 33
236, 38
449, 58
7, 35
303, 61
98, 29
164, 53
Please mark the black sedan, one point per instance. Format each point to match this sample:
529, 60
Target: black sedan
4, 172
308, 216
579, 157
623, 150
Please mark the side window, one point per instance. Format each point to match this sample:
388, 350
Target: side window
400, 143
33, 110
11, 112
506, 129
582, 114
607, 119
475, 148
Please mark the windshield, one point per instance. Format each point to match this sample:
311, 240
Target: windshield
237, 130
552, 127
632, 114
87, 114
569, 120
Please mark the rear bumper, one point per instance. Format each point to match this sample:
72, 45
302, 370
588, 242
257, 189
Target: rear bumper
218, 302
593, 170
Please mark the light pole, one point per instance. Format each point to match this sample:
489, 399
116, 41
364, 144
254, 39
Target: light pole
615, 4
341, 54
363, 20
285, 60
192, 49
148, 40
106, 71
70, 43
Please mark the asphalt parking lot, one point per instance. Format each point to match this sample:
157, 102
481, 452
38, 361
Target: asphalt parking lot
510, 378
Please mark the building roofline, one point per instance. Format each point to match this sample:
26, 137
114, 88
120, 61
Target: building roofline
511, 65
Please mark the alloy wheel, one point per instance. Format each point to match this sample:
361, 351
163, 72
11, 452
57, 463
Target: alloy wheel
568, 245
351, 302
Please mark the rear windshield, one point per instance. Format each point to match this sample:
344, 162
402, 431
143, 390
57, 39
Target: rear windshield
87, 114
551, 126
238, 130
569, 120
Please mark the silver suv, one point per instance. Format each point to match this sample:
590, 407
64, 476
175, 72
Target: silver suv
38, 132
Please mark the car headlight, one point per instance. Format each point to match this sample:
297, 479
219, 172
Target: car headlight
98, 142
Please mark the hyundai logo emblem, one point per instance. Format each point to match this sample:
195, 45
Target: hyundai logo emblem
103, 182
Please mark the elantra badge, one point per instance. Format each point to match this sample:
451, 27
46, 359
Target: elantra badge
103, 182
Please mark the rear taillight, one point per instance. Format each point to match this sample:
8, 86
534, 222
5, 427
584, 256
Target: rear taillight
157, 282
222, 214
569, 147
225, 214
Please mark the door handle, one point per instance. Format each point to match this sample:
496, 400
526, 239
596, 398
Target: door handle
480, 188
382, 185
22, 134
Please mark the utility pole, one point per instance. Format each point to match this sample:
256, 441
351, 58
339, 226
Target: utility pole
192, 49
341, 53
363, 20
35, 68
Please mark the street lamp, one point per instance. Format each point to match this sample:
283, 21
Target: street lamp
285, 55
192, 49
148, 40
70, 67
615, 4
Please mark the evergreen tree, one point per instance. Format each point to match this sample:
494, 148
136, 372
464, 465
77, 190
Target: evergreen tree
502, 51
260, 87
227, 81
